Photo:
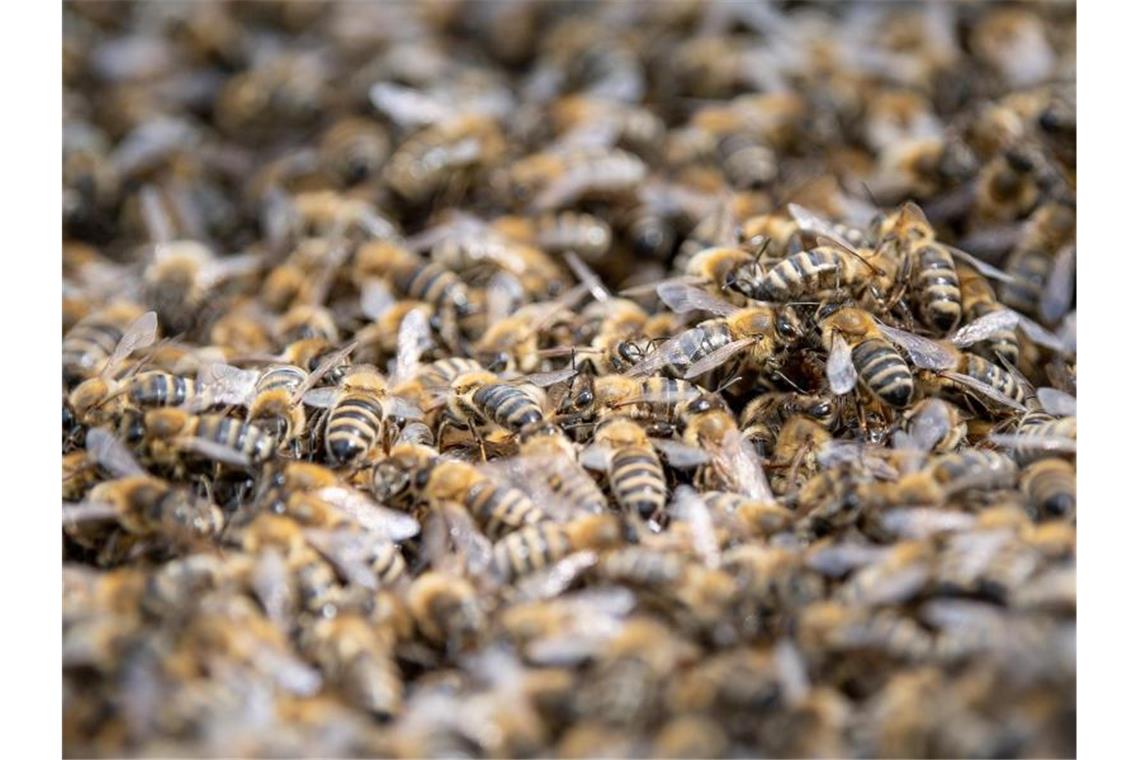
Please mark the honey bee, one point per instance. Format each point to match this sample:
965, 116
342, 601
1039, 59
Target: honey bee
949, 432
979, 300
158, 388
168, 433
98, 399
759, 330
558, 232
762, 418
413, 277
732, 464
181, 276
446, 610
481, 397
92, 341
534, 547
794, 454
288, 88
1050, 487
622, 450
546, 456
354, 149
438, 157
552, 179
974, 469
1047, 231
351, 656
872, 358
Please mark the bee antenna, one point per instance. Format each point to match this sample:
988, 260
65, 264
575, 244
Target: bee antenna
732, 381
871, 195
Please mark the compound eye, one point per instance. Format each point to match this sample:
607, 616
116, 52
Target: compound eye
499, 362
821, 410
786, 328
584, 399
422, 478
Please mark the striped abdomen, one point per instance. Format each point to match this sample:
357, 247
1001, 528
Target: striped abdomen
245, 438
885, 372
1051, 487
994, 376
939, 294
153, 389
86, 346
532, 548
1002, 343
442, 371
432, 283
1032, 267
643, 567
697, 343
667, 394
353, 426
638, 481
975, 468
387, 562
499, 510
808, 273
507, 405
281, 377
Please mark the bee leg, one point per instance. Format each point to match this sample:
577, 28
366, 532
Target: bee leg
479, 439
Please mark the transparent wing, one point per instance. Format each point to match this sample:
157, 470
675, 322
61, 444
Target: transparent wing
332, 360
841, 373
398, 406
215, 451
983, 268
595, 457
552, 581
679, 455
504, 293
922, 522
740, 461
322, 398
349, 552
375, 298
681, 297
984, 390
839, 453
547, 379
818, 226
271, 584
407, 107
1053, 443
652, 287
473, 546
587, 277
220, 270
925, 353
368, 514
669, 352
1041, 336
1058, 292
412, 340
225, 384
836, 559
666, 396
88, 511
1055, 402
691, 508
107, 451
531, 474
930, 425
140, 334
718, 357
985, 327
155, 218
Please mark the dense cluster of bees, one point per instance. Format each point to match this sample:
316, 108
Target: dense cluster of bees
510, 379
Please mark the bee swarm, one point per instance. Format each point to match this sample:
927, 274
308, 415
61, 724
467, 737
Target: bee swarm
502, 379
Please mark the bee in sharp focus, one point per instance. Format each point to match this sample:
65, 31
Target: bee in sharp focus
623, 451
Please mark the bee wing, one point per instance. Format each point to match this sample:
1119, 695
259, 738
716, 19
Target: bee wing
504, 292
552, 581
795, 683
836, 559
679, 455
587, 277
841, 373
88, 511
228, 268
530, 473
104, 449
408, 108
682, 297
412, 340
595, 457
216, 451
322, 398
983, 268
225, 384
665, 396
1055, 402
398, 406
820, 227
738, 459
930, 425
348, 552
1058, 292
375, 298
669, 352
547, 379
691, 508
1041, 336
271, 585
718, 357
1054, 443
326, 365
983, 389
923, 522
140, 334
652, 287
925, 353
838, 453
473, 546
290, 673
985, 327
368, 514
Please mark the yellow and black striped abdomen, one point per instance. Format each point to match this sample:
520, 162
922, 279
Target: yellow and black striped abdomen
86, 346
939, 293
387, 562
282, 377
353, 427
1031, 267
432, 283
884, 371
507, 405
153, 389
1002, 343
638, 481
1051, 487
806, 273
499, 510
531, 548
995, 377
695, 344
247, 439
442, 371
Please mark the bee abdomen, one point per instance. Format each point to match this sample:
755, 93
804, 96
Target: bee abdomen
508, 406
499, 510
1031, 267
1051, 487
530, 549
1002, 343
353, 427
801, 273
433, 283
638, 481
243, 437
285, 377
697, 343
940, 301
87, 345
885, 372
995, 377
153, 389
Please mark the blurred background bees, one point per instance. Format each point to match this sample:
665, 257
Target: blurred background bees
488, 379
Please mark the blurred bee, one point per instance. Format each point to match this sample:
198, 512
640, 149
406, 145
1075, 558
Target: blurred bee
306, 322
446, 610
1049, 229
974, 469
92, 341
794, 454
285, 89
558, 232
950, 433
547, 456
354, 149
442, 157
732, 464
170, 433
1050, 487
979, 300
1007, 187
534, 547
352, 656
553, 179
141, 504
99, 399
759, 330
